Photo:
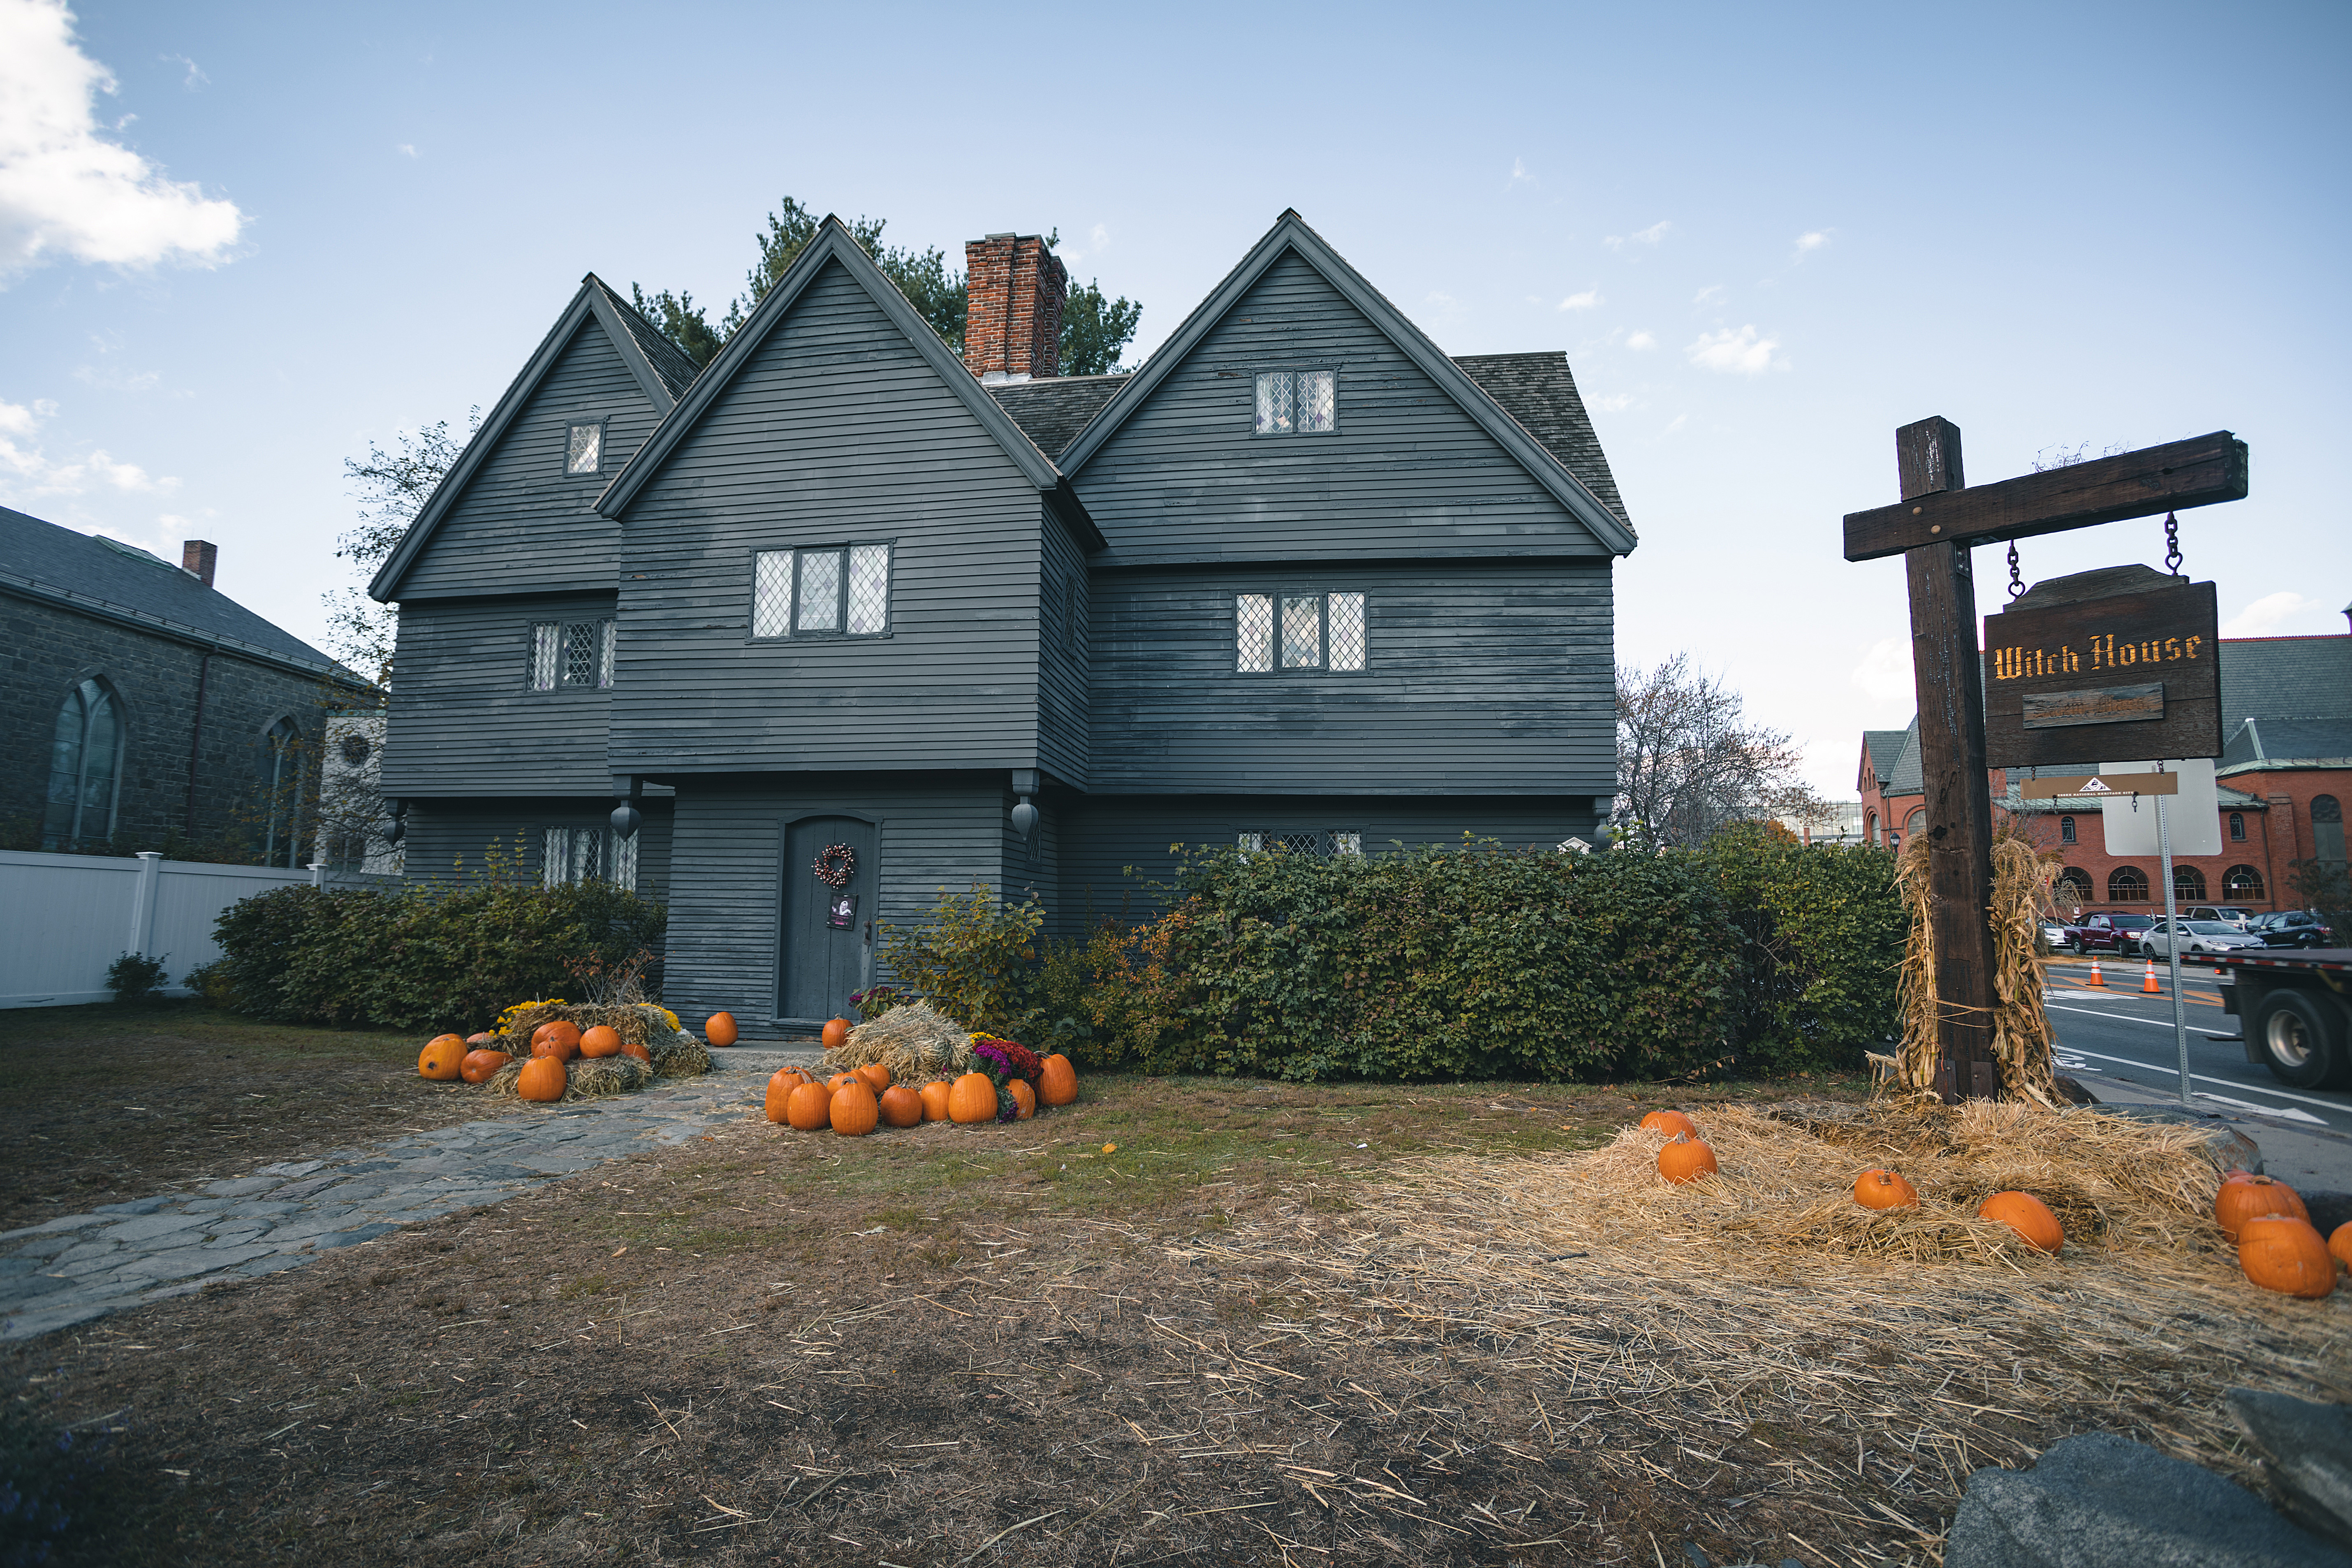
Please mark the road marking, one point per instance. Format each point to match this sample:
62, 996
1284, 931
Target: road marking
2287, 1112
2198, 1077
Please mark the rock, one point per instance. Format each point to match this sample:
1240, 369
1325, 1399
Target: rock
2306, 1453
2073, 1092
2103, 1501
2229, 1149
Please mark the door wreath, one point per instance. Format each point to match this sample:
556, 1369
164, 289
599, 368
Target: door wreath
835, 865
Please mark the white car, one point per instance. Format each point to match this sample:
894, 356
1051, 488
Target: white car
2196, 936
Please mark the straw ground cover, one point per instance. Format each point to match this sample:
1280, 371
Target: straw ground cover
1272, 1323
107, 1103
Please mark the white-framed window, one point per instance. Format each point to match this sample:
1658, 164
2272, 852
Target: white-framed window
1326, 842
583, 447
569, 854
1298, 402
830, 590
1298, 631
570, 654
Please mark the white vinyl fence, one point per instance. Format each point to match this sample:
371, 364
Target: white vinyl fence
64, 919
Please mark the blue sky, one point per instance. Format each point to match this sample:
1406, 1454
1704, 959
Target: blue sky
1765, 236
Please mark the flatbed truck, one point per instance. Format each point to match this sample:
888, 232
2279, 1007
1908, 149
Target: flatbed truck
2294, 1007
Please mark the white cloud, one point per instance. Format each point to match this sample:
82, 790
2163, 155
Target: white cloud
195, 76
1615, 403
1520, 173
405, 149
1884, 673
119, 381
1641, 340
1649, 235
1584, 301
1713, 292
1741, 352
2282, 614
1811, 241
64, 190
37, 474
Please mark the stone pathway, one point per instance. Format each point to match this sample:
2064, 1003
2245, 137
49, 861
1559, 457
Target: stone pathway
84, 1266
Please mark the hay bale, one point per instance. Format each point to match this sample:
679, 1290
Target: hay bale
675, 1051
585, 1078
917, 1042
677, 1054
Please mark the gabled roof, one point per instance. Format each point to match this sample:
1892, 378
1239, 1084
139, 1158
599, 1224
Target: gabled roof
1052, 409
1882, 747
661, 371
833, 242
125, 583
1291, 234
1539, 392
1908, 776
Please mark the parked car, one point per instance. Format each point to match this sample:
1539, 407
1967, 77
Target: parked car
2228, 914
2195, 936
2293, 927
2104, 931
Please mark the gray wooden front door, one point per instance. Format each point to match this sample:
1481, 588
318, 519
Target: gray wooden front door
823, 961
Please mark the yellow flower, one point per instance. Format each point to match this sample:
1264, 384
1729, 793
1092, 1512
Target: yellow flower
1110, 1148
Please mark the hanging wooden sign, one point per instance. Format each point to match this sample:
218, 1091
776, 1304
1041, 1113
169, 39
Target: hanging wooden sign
2121, 662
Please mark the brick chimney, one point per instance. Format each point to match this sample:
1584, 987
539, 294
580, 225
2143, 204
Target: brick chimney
197, 559
1012, 324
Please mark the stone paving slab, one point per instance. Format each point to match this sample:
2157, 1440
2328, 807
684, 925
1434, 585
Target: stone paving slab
79, 1266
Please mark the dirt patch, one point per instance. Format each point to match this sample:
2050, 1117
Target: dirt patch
105, 1104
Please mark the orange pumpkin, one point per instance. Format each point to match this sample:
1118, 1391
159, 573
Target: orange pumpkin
2028, 1215
854, 1110
2254, 1198
2282, 1253
1885, 1190
1670, 1122
483, 1041
875, 1076
1024, 1099
809, 1107
2339, 1245
901, 1106
836, 1033
480, 1066
441, 1058
600, 1041
631, 1048
542, 1079
972, 1099
780, 1094
559, 1039
1058, 1083
2237, 1173
842, 1080
720, 1029
1686, 1160
934, 1096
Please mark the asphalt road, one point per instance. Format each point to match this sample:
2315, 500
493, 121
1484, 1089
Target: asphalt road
2119, 1033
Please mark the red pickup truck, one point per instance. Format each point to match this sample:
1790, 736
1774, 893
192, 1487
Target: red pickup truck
2104, 931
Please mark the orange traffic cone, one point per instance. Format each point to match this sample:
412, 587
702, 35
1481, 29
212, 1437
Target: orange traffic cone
2096, 979
2149, 987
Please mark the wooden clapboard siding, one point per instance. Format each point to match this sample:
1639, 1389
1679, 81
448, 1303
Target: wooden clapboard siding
1481, 677
942, 831
1407, 473
1065, 700
450, 840
836, 431
463, 719
523, 524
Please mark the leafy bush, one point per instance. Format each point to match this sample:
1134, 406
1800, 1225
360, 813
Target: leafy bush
975, 959
135, 977
1823, 930
427, 957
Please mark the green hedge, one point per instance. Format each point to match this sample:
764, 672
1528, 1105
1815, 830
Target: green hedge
425, 958
1757, 954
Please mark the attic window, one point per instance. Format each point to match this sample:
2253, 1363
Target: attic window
583, 447
1298, 402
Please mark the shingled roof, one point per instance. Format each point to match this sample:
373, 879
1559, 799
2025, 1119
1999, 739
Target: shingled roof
1884, 746
669, 362
1052, 410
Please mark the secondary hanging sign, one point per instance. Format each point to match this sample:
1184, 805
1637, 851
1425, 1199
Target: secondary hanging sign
2118, 662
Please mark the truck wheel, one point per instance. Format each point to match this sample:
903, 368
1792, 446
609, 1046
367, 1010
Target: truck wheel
2297, 1039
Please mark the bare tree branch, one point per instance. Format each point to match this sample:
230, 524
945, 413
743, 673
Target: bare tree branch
1687, 765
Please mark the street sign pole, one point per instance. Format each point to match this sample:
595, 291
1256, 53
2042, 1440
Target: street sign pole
2172, 947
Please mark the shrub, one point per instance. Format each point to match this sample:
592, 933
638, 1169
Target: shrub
135, 977
974, 959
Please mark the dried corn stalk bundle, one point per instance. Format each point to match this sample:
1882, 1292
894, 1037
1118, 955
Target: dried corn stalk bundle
916, 1042
2021, 1034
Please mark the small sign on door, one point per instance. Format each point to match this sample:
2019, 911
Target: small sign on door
842, 913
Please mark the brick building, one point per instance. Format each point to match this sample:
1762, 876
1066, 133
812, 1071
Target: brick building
2284, 777
152, 710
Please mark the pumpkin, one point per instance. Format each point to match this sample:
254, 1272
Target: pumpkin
631, 1048
934, 1097
1885, 1190
2282, 1253
483, 1041
901, 1106
2253, 1198
480, 1066
780, 1094
720, 1029
2237, 1173
836, 1033
1670, 1122
854, 1111
798, 1074
972, 1099
842, 1080
809, 1107
440, 1057
1686, 1160
2028, 1215
559, 1039
2339, 1245
1024, 1099
542, 1079
600, 1041
874, 1076
1058, 1083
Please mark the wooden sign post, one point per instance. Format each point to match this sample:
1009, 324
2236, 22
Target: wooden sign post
1933, 528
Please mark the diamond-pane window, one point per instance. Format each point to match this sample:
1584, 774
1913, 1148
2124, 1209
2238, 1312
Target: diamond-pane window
605, 659
1254, 632
1317, 400
772, 593
869, 589
1341, 844
543, 635
584, 448
1347, 613
1320, 842
1302, 631
1298, 402
582, 654
1275, 391
819, 609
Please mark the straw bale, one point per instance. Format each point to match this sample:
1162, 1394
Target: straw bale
585, 1078
917, 1042
676, 1052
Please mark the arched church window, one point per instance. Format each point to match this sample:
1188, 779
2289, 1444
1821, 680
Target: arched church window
84, 762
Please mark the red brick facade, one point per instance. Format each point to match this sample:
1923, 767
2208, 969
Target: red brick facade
1012, 323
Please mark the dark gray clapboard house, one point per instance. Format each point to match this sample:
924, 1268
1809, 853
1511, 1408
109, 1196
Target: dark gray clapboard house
1301, 578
